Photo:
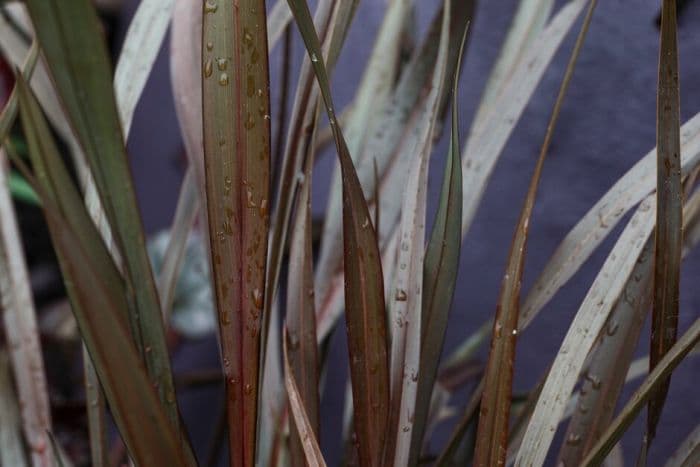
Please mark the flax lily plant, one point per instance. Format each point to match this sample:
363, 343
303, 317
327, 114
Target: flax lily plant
377, 269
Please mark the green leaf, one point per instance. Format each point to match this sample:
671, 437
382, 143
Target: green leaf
20, 189
364, 288
669, 198
492, 433
439, 273
236, 107
71, 36
99, 302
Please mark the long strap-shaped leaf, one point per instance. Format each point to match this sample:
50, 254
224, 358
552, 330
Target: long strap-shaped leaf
303, 425
15, 50
391, 144
186, 73
439, 274
371, 96
584, 329
96, 414
19, 318
9, 112
364, 289
609, 361
492, 434
688, 453
601, 219
11, 442
139, 51
301, 347
528, 22
301, 133
669, 196
236, 122
186, 79
641, 396
406, 304
486, 143
99, 302
185, 214
70, 35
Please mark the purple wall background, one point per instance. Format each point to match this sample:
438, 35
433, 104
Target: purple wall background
607, 123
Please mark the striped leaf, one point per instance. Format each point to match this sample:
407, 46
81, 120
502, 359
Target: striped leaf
236, 110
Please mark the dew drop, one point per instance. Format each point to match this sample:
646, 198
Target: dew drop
248, 389
573, 439
497, 330
594, 380
612, 328
210, 46
400, 295
293, 340
263, 210
249, 122
210, 7
314, 58
250, 86
257, 298
223, 79
247, 38
207, 69
249, 198
221, 63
